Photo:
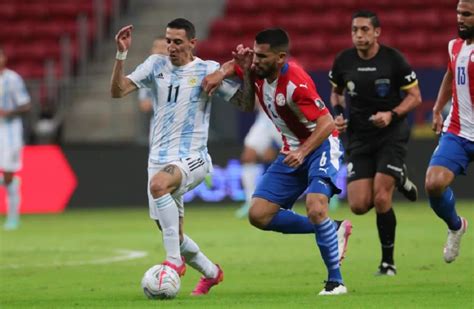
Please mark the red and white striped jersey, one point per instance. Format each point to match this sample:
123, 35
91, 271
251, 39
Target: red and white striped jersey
460, 120
292, 103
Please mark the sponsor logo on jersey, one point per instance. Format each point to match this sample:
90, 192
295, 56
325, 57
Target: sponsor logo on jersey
280, 99
160, 76
367, 69
382, 87
410, 77
304, 85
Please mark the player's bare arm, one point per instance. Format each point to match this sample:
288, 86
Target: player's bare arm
410, 102
120, 85
245, 97
444, 94
338, 102
324, 127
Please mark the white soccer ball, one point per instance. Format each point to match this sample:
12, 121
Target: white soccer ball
161, 282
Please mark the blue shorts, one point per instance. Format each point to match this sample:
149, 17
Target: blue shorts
453, 152
283, 185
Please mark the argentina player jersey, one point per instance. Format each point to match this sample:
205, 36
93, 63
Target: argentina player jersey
181, 108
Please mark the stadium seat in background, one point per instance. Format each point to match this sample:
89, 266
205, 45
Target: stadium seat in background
406, 24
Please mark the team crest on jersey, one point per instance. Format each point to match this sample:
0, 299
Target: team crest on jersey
382, 87
192, 81
319, 104
280, 99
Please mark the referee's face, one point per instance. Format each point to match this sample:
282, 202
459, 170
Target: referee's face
364, 34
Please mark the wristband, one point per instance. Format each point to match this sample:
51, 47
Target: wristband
338, 109
121, 55
395, 116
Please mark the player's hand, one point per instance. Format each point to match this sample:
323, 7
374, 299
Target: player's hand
243, 56
293, 158
437, 124
381, 119
211, 82
341, 123
123, 38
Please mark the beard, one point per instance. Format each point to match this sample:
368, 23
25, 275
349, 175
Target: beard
467, 33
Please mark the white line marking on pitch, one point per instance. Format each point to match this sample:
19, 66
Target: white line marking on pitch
122, 255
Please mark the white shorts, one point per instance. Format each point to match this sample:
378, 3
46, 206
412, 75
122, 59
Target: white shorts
10, 159
193, 170
262, 135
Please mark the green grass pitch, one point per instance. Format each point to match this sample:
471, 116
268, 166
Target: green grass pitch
72, 260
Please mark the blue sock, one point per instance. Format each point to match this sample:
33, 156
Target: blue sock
326, 238
289, 222
443, 206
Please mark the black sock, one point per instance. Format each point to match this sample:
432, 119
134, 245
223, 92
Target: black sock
386, 223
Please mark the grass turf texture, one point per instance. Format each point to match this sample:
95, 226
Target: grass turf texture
262, 269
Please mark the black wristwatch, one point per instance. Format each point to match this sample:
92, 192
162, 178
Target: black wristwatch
395, 116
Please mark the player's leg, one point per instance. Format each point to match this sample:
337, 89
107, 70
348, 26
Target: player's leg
384, 186
12, 185
250, 172
390, 157
274, 197
360, 179
194, 170
163, 208
449, 159
256, 142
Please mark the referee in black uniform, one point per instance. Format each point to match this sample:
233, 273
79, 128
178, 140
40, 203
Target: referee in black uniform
373, 77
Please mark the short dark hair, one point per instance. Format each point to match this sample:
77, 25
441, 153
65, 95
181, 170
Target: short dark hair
276, 37
368, 14
186, 25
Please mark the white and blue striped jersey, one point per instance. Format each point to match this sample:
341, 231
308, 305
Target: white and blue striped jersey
13, 94
181, 108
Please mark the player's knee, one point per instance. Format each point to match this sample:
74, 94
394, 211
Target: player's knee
433, 186
360, 208
258, 218
382, 198
158, 188
316, 209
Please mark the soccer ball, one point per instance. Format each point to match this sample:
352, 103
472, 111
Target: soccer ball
161, 282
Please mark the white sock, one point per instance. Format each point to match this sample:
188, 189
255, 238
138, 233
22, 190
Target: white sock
169, 220
250, 172
13, 199
196, 259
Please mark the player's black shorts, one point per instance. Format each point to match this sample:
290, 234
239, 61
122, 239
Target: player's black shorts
380, 154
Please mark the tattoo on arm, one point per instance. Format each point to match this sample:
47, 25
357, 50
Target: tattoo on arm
169, 169
244, 99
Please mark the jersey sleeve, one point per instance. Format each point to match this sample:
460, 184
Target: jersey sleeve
335, 74
20, 93
143, 74
228, 88
309, 102
405, 76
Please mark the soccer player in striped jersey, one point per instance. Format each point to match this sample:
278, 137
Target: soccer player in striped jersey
455, 150
311, 154
14, 102
178, 157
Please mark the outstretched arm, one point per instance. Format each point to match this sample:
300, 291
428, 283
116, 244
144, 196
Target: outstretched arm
212, 81
444, 94
120, 86
244, 99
